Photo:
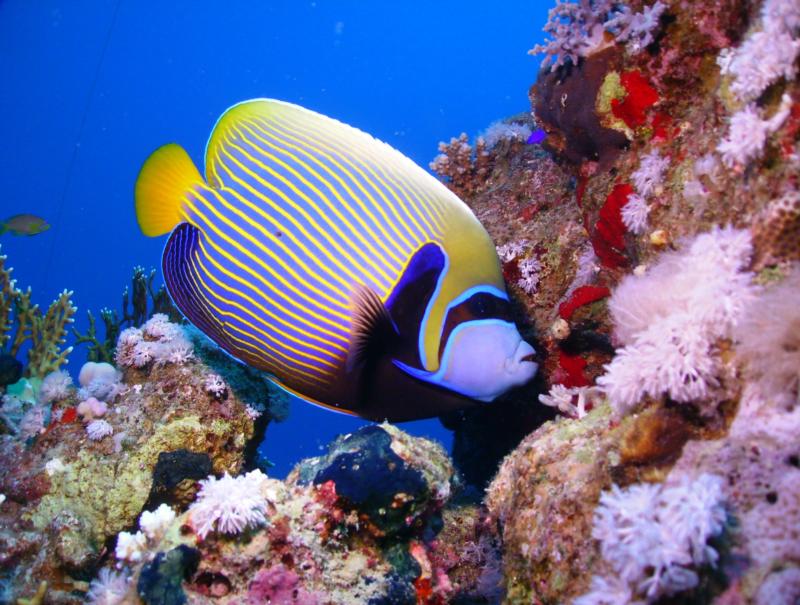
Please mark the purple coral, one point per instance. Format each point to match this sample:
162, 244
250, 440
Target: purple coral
279, 585
55, 387
577, 29
157, 341
99, 429
653, 537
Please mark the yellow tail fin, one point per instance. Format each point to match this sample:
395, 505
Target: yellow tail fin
164, 180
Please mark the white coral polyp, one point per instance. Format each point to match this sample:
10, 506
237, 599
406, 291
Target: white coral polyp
108, 588
158, 341
99, 429
635, 213
231, 504
650, 173
131, 547
154, 524
654, 537
670, 318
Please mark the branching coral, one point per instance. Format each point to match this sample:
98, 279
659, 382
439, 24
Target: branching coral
45, 333
653, 536
463, 169
579, 29
670, 318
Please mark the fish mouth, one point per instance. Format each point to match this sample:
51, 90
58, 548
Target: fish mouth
524, 354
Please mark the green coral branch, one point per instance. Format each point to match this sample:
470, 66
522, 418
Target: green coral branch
23, 322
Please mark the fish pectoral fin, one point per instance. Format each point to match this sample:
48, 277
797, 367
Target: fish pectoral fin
423, 375
373, 332
164, 181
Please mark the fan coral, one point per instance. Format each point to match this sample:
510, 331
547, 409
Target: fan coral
99, 429
157, 341
578, 29
109, 588
231, 504
768, 341
670, 318
55, 387
748, 133
652, 535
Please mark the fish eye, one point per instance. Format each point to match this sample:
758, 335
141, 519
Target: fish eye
485, 305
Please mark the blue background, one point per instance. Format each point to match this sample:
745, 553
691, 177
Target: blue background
89, 89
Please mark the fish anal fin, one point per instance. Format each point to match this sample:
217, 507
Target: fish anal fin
165, 179
372, 333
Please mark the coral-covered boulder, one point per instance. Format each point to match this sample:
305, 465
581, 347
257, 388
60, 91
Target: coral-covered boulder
391, 480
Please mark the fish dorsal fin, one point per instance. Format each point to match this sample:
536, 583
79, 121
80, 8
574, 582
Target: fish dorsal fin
373, 332
414, 290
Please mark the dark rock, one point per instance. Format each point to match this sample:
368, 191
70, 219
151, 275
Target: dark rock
10, 369
564, 100
160, 582
171, 469
372, 478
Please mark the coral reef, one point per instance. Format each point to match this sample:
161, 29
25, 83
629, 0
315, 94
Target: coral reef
664, 236
23, 324
139, 302
646, 218
71, 489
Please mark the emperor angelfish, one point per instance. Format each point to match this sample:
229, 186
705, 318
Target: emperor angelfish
331, 261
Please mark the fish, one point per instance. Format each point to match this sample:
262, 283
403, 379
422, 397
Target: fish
24, 224
332, 262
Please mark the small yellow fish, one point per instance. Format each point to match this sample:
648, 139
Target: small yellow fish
24, 224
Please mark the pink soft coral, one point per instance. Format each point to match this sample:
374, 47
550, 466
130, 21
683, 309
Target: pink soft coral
279, 585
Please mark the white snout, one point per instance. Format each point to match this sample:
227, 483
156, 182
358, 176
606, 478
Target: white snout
485, 358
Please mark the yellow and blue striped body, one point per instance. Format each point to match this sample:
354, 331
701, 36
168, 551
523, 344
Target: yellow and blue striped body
299, 212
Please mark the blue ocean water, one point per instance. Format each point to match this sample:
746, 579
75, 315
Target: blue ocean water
91, 88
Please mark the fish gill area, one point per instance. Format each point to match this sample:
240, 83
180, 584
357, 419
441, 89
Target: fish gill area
647, 217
